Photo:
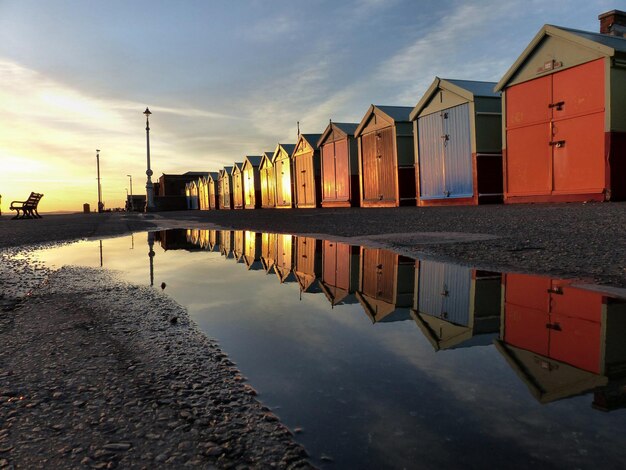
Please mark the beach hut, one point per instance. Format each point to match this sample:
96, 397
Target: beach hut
269, 248
306, 172
340, 165
561, 340
203, 194
282, 171
239, 245
224, 186
457, 129
237, 185
340, 272
308, 264
385, 285
456, 306
386, 157
213, 190
251, 182
284, 258
193, 195
267, 177
564, 106
252, 250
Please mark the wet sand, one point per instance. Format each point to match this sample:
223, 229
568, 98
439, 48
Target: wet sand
97, 373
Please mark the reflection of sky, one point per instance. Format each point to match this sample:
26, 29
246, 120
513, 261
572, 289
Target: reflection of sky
369, 396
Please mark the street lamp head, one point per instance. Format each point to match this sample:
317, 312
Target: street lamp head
147, 112
97, 150
130, 176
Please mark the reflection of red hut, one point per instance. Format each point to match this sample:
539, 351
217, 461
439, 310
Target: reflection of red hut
267, 177
564, 103
386, 285
306, 171
340, 165
212, 185
252, 250
455, 305
282, 171
308, 265
269, 248
386, 157
224, 186
340, 272
237, 185
561, 340
251, 182
284, 258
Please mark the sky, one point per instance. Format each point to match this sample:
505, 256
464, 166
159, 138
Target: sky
225, 79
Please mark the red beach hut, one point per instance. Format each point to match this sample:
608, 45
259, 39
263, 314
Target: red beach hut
564, 104
306, 172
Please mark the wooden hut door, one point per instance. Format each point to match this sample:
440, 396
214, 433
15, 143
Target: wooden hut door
308, 179
329, 183
370, 166
329, 272
342, 170
248, 187
387, 164
459, 176
430, 148
444, 291
379, 269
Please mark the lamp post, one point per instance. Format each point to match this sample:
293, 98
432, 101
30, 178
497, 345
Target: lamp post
126, 206
132, 204
100, 205
149, 185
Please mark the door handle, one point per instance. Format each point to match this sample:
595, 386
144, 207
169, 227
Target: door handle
557, 143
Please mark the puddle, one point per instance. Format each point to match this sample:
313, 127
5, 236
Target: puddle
383, 361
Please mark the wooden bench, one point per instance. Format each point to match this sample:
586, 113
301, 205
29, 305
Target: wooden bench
28, 207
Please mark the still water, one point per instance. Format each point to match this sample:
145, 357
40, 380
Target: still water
384, 361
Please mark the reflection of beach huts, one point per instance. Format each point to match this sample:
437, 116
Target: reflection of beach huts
306, 172
561, 340
253, 244
385, 285
564, 104
251, 182
340, 165
457, 131
226, 243
213, 190
456, 305
282, 171
224, 187
238, 245
214, 240
284, 258
237, 185
267, 177
308, 263
269, 248
386, 157
340, 272
200, 238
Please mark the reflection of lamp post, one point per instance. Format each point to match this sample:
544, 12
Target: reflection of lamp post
149, 185
132, 204
151, 256
100, 205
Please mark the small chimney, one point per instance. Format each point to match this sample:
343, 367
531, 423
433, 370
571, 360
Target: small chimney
613, 23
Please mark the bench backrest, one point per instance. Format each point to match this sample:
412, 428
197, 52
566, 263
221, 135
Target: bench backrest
33, 200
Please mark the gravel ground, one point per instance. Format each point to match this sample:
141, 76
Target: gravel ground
96, 373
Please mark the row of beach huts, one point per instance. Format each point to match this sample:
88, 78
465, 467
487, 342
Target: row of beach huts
553, 129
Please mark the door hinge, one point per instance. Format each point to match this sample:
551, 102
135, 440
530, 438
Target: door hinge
558, 105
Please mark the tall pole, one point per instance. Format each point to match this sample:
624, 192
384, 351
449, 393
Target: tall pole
132, 204
149, 186
100, 205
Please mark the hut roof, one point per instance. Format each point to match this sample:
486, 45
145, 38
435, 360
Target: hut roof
213, 175
288, 148
254, 160
468, 89
603, 43
392, 113
236, 167
347, 128
312, 139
